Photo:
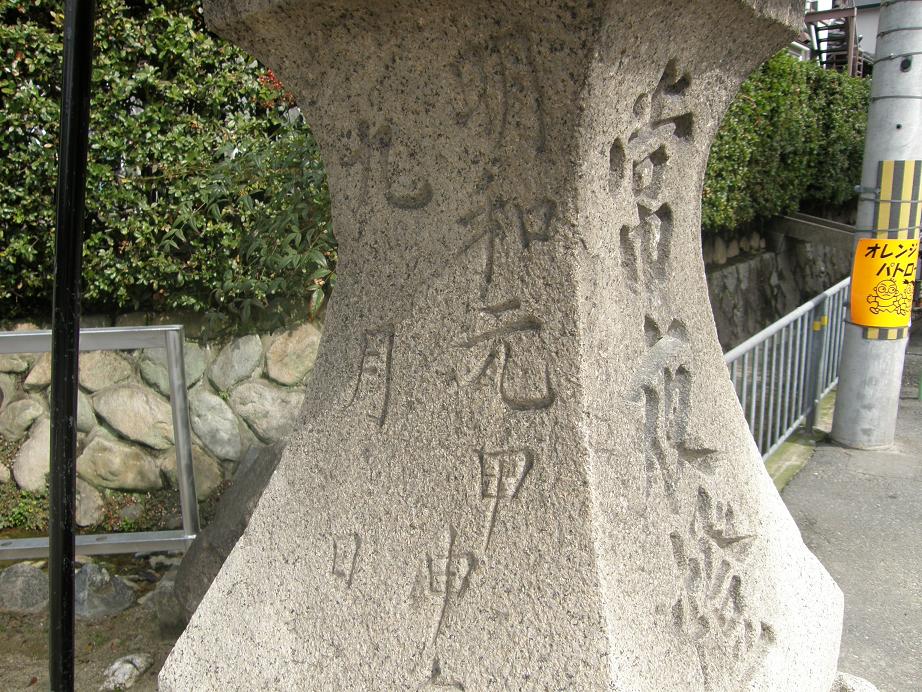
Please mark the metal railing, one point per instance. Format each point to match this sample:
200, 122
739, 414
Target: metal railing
124, 338
781, 373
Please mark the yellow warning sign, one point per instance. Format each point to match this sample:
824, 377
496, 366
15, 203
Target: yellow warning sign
882, 281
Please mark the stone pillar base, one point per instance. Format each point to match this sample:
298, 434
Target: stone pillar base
521, 464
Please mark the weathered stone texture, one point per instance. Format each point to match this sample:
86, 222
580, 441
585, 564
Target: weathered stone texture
7, 390
97, 594
18, 417
101, 369
39, 376
32, 462
125, 672
520, 464
215, 424
15, 362
236, 362
292, 354
136, 413
270, 411
89, 504
153, 366
749, 295
86, 418
207, 470
111, 464
23, 589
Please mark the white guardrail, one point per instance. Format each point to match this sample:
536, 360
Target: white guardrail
781, 373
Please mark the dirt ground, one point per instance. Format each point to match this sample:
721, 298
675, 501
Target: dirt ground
24, 641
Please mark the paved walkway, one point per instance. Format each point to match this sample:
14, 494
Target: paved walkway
861, 513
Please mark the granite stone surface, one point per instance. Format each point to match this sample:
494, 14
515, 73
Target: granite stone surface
520, 463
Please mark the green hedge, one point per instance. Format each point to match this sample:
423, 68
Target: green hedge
793, 136
171, 223
206, 191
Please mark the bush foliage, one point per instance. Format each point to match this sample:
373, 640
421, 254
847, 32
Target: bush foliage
794, 135
171, 224
205, 187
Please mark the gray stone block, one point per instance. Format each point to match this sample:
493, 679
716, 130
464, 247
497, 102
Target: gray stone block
208, 472
292, 354
86, 418
97, 594
32, 462
112, 464
153, 366
89, 504
15, 362
236, 362
215, 424
125, 672
269, 410
18, 417
23, 589
8, 390
101, 369
136, 413
39, 376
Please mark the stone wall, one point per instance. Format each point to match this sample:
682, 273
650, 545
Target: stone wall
244, 394
754, 283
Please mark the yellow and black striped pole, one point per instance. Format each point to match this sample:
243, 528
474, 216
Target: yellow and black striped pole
886, 253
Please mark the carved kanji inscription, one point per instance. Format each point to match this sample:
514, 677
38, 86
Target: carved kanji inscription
663, 122
373, 383
712, 609
449, 570
346, 556
509, 351
501, 476
403, 188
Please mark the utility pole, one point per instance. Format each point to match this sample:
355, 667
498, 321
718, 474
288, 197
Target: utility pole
887, 230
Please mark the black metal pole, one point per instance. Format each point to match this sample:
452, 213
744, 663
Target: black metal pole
65, 340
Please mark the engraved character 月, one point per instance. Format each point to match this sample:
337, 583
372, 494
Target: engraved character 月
511, 346
373, 384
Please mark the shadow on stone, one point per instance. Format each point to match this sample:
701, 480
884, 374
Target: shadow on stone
214, 543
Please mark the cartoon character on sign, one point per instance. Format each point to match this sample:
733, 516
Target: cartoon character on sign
886, 298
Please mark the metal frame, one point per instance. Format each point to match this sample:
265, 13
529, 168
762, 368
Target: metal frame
169, 337
782, 373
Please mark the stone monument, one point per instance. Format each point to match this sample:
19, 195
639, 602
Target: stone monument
521, 464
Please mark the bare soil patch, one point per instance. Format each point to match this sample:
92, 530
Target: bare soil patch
24, 640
